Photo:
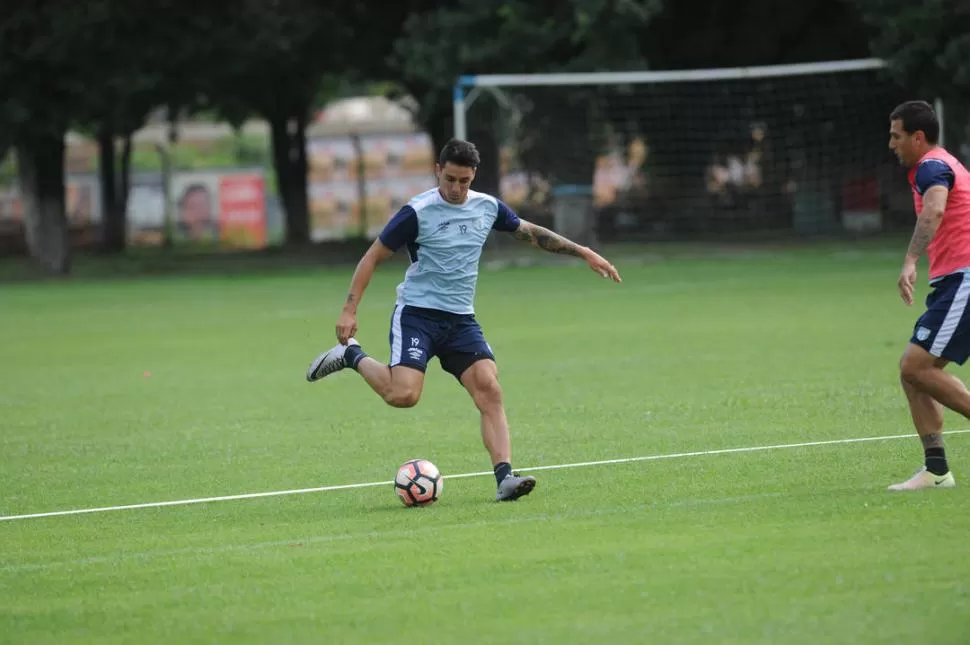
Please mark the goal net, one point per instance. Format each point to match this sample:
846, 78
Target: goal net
792, 149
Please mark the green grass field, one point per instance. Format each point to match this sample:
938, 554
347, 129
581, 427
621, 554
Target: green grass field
123, 392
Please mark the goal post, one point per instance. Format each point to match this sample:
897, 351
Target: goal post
799, 148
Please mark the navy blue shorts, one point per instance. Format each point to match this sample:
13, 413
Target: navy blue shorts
944, 329
419, 334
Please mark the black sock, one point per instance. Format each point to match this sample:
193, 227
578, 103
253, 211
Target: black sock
502, 470
353, 355
936, 461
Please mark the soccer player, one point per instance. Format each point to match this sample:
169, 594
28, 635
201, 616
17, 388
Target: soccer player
941, 335
443, 230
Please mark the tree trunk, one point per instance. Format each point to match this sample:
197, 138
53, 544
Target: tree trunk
299, 226
114, 190
40, 162
112, 227
361, 183
290, 163
124, 187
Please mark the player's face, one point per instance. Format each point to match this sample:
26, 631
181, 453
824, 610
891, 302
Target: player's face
454, 181
904, 145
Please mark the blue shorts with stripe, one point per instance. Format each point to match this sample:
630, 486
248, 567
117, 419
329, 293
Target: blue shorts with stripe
419, 334
944, 329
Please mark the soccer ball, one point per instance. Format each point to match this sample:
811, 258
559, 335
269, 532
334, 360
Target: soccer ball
418, 483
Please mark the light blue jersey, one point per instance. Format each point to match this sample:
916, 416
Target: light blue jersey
444, 242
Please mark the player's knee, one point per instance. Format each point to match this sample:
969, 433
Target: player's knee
907, 371
402, 397
912, 367
905, 381
488, 393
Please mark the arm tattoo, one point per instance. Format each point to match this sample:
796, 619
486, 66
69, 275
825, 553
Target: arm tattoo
928, 221
545, 239
351, 303
922, 236
933, 440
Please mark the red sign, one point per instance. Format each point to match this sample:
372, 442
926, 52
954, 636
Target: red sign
242, 210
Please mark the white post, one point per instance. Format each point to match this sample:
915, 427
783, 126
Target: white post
458, 106
673, 76
938, 108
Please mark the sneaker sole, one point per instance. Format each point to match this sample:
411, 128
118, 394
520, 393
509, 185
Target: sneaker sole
896, 489
523, 489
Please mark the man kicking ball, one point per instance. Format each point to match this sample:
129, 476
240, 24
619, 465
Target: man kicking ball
444, 230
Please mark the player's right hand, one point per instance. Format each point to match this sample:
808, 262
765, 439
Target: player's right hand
907, 282
346, 326
601, 265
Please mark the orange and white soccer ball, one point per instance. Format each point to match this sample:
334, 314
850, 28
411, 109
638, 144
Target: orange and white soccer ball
418, 483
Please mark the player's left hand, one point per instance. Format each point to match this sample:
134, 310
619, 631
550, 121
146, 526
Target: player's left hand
602, 266
907, 282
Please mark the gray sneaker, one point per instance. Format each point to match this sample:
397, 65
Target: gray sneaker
329, 362
513, 487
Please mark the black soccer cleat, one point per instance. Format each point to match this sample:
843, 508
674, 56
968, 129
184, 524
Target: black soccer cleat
513, 487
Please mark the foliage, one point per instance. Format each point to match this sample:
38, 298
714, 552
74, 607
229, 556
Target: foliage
927, 45
471, 37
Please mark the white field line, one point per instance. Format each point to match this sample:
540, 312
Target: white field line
581, 464
398, 533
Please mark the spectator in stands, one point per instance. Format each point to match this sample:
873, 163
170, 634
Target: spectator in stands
724, 174
753, 158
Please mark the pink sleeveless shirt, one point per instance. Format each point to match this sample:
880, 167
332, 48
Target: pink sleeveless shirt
950, 249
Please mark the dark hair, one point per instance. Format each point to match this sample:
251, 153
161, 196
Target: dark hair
918, 115
193, 188
460, 153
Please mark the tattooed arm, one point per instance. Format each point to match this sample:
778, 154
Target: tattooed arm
545, 239
347, 321
542, 238
934, 203
401, 230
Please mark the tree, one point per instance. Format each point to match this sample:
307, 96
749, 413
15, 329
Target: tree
40, 74
123, 54
927, 47
925, 44
282, 60
273, 60
692, 34
522, 37
99, 66
137, 61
